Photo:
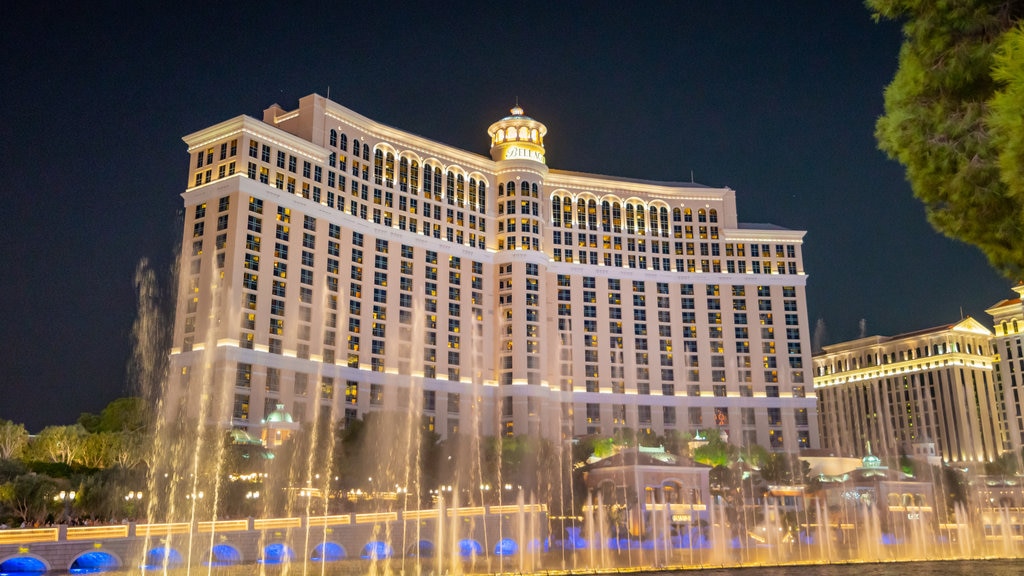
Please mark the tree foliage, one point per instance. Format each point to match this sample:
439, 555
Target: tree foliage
13, 439
716, 451
953, 119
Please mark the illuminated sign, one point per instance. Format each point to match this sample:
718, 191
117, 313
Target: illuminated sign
520, 153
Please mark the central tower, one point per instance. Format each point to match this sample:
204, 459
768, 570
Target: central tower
517, 147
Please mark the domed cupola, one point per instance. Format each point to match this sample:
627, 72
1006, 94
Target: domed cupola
517, 137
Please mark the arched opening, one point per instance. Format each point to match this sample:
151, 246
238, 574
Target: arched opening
328, 552
421, 549
223, 555
377, 550
94, 562
277, 553
469, 548
506, 547
26, 565
161, 556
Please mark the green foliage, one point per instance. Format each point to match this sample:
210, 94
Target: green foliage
716, 452
130, 414
13, 439
604, 447
29, 496
961, 159
1004, 465
782, 469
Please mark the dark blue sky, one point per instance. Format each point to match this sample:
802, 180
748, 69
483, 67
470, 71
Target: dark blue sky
775, 99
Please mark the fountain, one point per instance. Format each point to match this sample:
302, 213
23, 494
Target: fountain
220, 501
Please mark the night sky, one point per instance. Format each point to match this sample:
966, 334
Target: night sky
776, 100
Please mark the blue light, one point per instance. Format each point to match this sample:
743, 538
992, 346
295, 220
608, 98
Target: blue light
422, 549
22, 566
506, 547
160, 556
328, 552
377, 550
93, 563
277, 554
224, 555
469, 547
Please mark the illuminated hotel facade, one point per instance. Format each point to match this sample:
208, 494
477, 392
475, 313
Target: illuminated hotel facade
924, 393
339, 266
1008, 327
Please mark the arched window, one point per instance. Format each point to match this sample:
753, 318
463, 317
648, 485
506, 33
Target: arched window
378, 166
524, 133
677, 215
460, 190
641, 225
653, 220
403, 174
414, 176
355, 148
664, 222
510, 133
581, 214
713, 215
450, 188
427, 180
567, 213
334, 137
702, 216
592, 214
437, 183
389, 169
510, 188
616, 218
472, 193
501, 190
688, 215
556, 211
343, 142
524, 188
366, 152
535, 189
630, 224
606, 216
482, 200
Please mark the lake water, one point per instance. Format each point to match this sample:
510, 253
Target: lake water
944, 568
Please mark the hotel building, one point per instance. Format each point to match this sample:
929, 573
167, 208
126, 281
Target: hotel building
1008, 325
339, 266
925, 393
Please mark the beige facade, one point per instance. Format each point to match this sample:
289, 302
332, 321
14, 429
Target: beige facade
1008, 325
901, 393
340, 266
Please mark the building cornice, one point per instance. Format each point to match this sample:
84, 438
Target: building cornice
260, 130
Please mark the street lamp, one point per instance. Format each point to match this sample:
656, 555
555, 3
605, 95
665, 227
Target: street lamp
67, 498
131, 499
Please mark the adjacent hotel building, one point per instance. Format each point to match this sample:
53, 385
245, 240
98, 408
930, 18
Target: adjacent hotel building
1008, 325
925, 393
339, 266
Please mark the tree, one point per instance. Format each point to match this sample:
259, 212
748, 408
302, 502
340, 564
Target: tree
955, 124
783, 469
13, 439
716, 451
29, 496
1004, 465
130, 414
62, 444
